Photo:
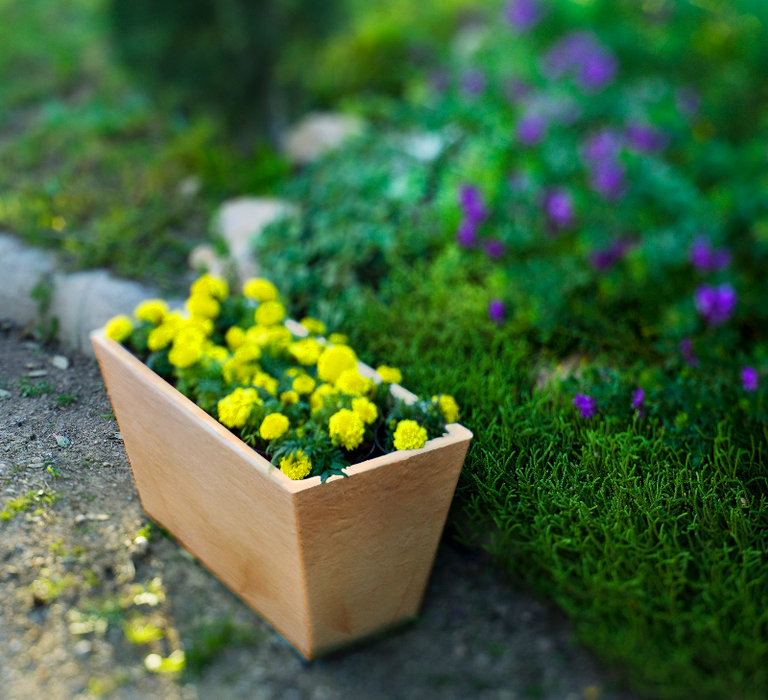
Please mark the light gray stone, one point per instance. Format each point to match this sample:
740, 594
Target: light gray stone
21, 270
85, 301
203, 258
317, 133
239, 221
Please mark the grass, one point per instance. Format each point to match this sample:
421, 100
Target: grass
90, 166
662, 566
24, 503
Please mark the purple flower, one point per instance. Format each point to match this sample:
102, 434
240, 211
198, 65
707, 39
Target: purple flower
749, 378
607, 179
517, 90
605, 258
602, 146
496, 310
638, 397
686, 350
473, 82
715, 304
646, 138
494, 248
472, 204
688, 100
585, 405
558, 205
530, 129
523, 15
582, 55
598, 70
467, 234
705, 258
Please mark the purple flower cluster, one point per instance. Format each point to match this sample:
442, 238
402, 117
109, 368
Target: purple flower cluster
586, 405
601, 152
646, 139
708, 259
581, 55
603, 259
686, 350
531, 129
558, 205
474, 213
638, 399
496, 310
715, 304
749, 379
523, 15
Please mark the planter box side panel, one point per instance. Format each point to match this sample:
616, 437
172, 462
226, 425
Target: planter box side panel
232, 516
368, 544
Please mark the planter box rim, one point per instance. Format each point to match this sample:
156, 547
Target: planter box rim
455, 432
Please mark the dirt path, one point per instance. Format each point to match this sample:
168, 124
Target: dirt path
82, 605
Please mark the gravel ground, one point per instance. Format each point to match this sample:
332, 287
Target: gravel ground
84, 604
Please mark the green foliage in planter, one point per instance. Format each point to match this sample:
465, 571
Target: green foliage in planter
221, 54
660, 560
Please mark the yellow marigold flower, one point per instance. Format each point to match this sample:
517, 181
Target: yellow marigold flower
318, 396
314, 326
448, 407
260, 289
153, 311
197, 323
210, 286
346, 428
118, 328
390, 375
303, 384
161, 337
275, 425
410, 435
265, 381
247, 353
338, 339
234, 370
278, 336
269, 313
235, 409
334, 361
216, 352
306, 351
293, 372
184, 356
204, 306
289, 398
366, 410
235, 337
351, 382
296, 468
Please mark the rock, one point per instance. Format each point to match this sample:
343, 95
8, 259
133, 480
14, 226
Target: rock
139, 548
318, 133
83, 648
60, 362
61, 440
34, 374
240, 221
203, 259
190, 186
4, 394
22, 269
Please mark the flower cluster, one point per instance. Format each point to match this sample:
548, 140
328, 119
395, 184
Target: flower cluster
303, 401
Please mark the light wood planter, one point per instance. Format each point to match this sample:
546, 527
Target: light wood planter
325, 564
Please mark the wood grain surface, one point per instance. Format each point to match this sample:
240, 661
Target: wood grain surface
324, 564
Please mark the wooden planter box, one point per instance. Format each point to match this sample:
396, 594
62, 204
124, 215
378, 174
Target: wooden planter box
325, 564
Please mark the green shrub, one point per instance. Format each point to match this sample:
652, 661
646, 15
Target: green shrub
219, 54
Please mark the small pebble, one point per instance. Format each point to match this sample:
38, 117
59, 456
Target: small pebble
37, 373
62, 441
139, 548
4, 394
60, 362
83, 648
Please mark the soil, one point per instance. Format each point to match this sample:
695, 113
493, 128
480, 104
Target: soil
84, 604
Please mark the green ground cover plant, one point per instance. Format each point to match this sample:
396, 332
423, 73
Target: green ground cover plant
93, 167
569, 230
